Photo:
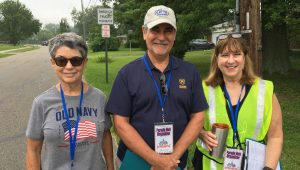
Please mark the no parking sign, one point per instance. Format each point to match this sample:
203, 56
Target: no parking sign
105, 31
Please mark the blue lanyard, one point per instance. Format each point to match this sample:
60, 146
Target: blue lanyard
71, 140
162, 101
232, 114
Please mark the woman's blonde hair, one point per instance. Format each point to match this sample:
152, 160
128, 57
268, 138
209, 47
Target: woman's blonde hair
215, 76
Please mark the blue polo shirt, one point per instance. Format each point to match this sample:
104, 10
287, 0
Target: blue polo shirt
134, 96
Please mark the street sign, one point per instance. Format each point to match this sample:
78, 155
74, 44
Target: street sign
105, 16
105, 31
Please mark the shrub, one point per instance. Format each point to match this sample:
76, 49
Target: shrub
102, 60
97, 43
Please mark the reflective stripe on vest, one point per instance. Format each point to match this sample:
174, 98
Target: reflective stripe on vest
212, 100
260, 107
212, 118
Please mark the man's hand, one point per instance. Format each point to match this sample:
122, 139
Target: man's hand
165, 162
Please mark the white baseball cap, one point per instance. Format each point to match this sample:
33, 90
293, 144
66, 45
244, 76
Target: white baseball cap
159, 14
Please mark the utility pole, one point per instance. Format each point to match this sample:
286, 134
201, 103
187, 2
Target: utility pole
83, 20
250, 18
237, 16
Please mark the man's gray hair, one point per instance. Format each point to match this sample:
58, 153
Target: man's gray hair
69, 39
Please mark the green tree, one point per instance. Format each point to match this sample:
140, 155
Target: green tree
93, 29
97, 43
16, 22
53, 28
278, 16
194, 18
64, 26
47, 32
42, 35
280, 20
91, 20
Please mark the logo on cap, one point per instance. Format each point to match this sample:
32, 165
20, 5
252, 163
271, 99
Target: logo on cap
161, 13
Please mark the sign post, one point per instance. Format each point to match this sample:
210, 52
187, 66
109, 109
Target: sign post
105, 18
105, 35
129, 36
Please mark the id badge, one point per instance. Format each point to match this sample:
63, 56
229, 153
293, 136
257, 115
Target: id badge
163, 137
233, 159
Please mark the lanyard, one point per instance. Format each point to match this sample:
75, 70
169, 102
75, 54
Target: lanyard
232, 114
71, 140
162, 101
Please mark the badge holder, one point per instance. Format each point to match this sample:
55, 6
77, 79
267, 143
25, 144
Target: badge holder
233, 159
163, 137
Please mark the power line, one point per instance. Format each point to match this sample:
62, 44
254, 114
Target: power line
83, 22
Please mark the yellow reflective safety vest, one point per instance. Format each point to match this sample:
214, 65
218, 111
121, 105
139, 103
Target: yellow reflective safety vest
253, 119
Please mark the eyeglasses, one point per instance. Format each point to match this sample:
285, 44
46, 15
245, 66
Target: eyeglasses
164, 88
62, 61
224, 36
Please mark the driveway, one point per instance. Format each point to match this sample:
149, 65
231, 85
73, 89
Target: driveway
22, 77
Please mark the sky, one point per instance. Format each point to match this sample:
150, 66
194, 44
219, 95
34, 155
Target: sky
51, 11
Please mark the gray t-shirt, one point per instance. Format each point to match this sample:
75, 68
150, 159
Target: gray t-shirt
47, 122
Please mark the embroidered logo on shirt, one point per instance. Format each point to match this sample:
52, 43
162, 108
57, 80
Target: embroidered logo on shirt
182, 84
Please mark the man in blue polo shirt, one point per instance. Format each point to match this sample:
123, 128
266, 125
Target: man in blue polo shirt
157, 101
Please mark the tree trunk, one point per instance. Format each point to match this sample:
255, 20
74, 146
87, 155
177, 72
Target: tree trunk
275, 50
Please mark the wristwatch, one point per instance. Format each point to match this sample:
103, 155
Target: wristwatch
267, 168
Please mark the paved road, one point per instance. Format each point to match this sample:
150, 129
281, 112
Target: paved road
22, 77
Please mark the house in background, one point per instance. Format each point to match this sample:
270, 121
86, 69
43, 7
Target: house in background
222, 28
122, 38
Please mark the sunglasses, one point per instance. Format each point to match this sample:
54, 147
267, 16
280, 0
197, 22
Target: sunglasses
164, 88
63, 61
224, 36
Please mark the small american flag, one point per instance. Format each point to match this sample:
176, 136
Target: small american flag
86, 129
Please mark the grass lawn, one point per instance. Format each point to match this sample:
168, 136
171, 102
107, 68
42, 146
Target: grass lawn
15, 49
9, 46
288, 93
28, 48
95, 72
4, 55
286, 88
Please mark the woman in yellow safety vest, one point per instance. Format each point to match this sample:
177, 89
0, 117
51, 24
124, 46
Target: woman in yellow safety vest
242, 100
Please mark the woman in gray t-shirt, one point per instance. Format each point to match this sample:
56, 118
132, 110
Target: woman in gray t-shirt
69, 118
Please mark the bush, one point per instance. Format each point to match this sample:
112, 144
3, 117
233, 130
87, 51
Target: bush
98, 44
102, 60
